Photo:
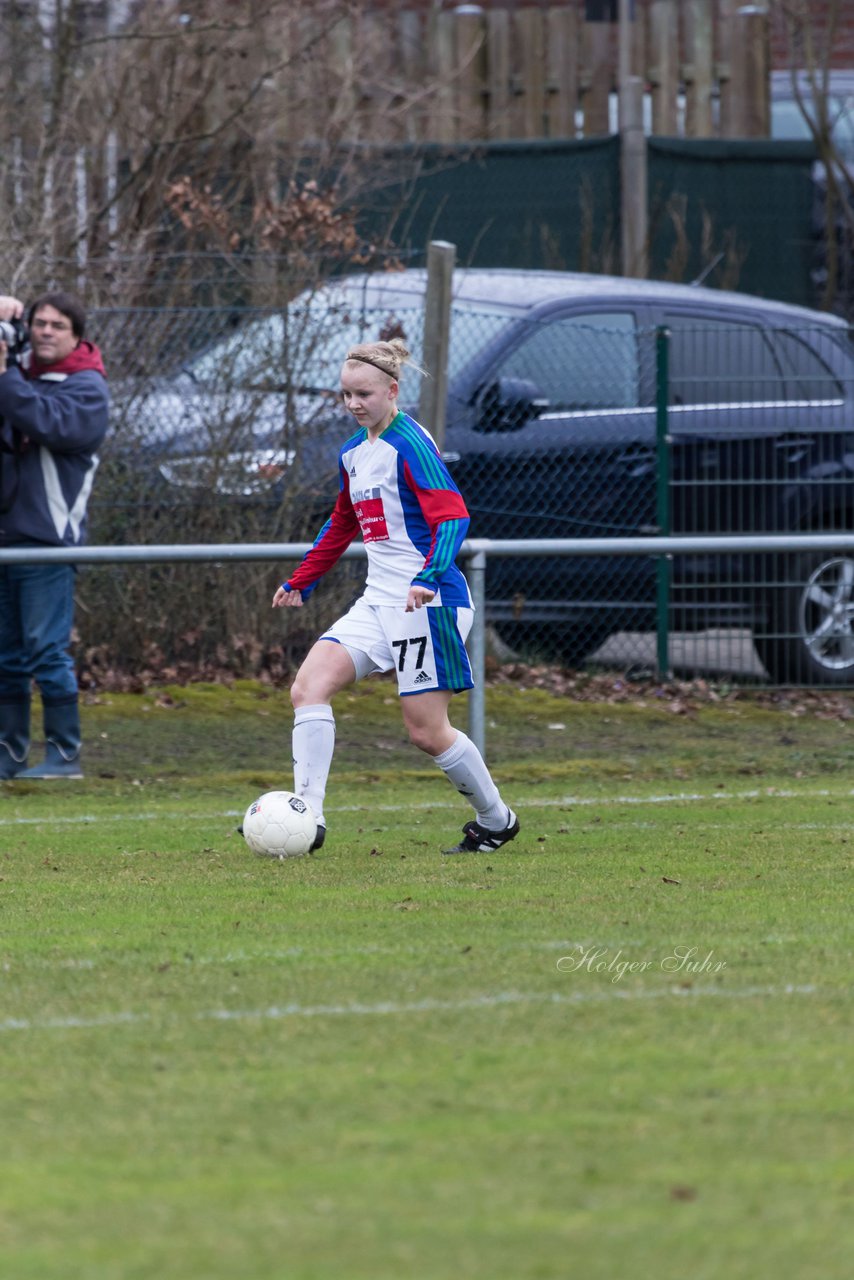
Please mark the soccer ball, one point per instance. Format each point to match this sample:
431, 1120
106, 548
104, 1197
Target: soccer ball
279, 825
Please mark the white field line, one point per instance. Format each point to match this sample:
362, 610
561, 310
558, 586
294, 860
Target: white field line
266, 955
390, 1008
673, 797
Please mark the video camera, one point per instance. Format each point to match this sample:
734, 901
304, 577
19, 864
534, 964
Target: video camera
17, 338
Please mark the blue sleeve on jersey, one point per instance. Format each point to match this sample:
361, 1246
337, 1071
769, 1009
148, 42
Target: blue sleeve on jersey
449, 537
420, 453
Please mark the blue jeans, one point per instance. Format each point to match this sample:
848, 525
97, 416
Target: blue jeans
36, 615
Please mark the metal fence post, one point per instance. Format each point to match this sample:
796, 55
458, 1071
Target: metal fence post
662, 449
477, 650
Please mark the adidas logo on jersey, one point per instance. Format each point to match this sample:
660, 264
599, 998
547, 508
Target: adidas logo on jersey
423, 678
352, 471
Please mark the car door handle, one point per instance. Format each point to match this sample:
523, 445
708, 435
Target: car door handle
794, 450
637, 460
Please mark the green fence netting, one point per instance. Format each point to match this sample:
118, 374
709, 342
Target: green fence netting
552, 205
740, 213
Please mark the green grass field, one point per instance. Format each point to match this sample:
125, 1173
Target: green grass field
621, 1048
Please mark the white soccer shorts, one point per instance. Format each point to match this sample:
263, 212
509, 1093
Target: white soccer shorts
426, 648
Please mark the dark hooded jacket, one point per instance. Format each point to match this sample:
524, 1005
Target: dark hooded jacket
53, 419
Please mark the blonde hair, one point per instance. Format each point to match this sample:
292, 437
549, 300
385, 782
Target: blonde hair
389, 357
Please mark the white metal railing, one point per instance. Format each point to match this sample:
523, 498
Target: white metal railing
474, 552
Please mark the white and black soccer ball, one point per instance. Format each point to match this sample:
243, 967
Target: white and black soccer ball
279, 825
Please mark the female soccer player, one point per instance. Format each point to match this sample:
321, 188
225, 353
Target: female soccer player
416, 610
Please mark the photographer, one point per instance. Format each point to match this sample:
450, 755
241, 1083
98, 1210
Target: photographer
53, 417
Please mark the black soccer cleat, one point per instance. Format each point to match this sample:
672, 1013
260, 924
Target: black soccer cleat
478, 839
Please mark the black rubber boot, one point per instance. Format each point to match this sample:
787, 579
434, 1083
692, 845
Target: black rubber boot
14, 736
62, 738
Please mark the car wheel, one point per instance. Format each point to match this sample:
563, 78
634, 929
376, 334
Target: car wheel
809, 636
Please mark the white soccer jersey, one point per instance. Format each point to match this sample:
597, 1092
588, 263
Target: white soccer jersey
398, 492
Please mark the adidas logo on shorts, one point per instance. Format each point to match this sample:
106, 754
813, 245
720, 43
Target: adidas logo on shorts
423, 678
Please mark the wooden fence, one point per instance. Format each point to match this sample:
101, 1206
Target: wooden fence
473, 72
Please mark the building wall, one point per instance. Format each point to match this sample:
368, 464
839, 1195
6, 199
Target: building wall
822, 13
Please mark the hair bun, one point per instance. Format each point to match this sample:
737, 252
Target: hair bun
387, 356
400, 349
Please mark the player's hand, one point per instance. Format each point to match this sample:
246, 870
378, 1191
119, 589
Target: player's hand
287, 599
417, 597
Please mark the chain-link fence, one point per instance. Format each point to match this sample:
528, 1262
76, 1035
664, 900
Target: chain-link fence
578, 407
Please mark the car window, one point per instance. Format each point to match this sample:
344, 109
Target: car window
788, 121
716, 362
581, 362
811, 378
302, 347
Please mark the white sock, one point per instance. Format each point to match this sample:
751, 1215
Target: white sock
467, 770
313, 743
